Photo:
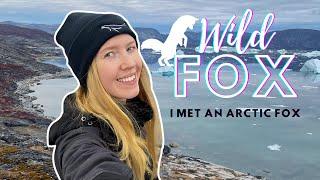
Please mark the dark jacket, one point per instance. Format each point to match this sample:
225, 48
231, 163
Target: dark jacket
84, 148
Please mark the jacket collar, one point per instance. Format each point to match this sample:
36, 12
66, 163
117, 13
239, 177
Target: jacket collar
73, 118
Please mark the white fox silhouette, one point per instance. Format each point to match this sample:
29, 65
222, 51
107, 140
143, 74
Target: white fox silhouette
175, 37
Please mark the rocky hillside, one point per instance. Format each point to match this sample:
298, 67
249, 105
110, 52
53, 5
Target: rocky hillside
23, 152
20, 50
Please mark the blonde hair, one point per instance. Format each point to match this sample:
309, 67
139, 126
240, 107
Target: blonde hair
134, 148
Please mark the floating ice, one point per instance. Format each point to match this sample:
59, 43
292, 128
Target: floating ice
311, 54
256, 124
209, 49
282, 51
252, 51
164, 71
309, 133
271, 97
156, 52
312, 65
274, 147
228, 49
179, 52
280, 105
252, 84
310, 87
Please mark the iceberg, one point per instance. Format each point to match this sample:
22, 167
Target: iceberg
164, 71
180, 52
228, 49
155, 52
274, 147
311, 66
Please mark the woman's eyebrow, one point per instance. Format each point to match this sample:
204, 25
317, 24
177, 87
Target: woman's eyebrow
108, 48
114, 47
132, 42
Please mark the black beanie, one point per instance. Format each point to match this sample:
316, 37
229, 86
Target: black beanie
82, 34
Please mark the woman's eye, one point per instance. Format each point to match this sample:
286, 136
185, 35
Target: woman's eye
131, 48
109, 54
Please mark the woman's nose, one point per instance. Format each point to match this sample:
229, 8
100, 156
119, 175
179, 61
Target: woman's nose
127, 62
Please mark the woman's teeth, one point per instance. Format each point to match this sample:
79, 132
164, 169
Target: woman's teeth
131, 78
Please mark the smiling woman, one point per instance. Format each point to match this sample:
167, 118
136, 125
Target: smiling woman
110, 127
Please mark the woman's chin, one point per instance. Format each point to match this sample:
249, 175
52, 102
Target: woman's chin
129, 94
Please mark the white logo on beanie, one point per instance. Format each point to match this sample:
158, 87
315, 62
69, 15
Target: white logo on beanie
114, 27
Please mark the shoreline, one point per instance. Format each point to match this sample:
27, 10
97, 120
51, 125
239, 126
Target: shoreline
24, 89
173, 166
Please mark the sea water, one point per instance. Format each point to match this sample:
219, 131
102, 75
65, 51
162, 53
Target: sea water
237, 143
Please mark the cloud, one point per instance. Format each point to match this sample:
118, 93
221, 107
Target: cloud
166, 12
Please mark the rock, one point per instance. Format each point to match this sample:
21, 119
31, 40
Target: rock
174, 145
17, 122
166, 149
178, 166
4, 167
40, 110
266, 171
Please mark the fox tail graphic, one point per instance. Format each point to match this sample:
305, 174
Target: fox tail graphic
153, 44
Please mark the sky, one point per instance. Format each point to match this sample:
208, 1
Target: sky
161, 14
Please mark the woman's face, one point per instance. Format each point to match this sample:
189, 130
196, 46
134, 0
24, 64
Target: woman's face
119, 67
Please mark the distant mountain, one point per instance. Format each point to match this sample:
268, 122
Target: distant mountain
296, 39
43, 27
291, 39
24, 46
12, 31
147, 33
